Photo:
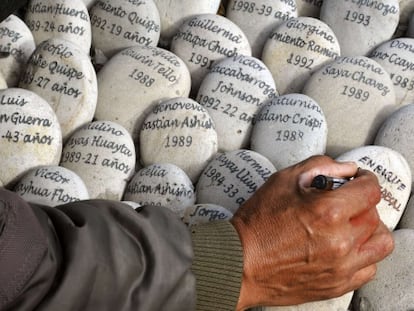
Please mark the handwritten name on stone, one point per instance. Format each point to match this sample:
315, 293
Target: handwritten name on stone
203, 213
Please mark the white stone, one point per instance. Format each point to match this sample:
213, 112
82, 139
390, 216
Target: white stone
335, 304
161, 184
309, 8
203, 213
181, 132
119, 24
30, 134
204, 39
51, 186
102, 153
68, 20
61, 73
356, 95
407, 219
3, 83
258, 18
137, 79
393, 287
396, 56
397, 133
393, 175
173, 16
232, 177
361, 25
292, 62
233, 92
289, 129
16, 46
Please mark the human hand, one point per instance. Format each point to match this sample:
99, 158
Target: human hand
302, 244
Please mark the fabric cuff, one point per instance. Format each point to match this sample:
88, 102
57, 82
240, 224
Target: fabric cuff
217, 265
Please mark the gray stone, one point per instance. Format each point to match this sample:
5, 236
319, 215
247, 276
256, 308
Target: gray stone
233, 177
361, 25
259, 18
296, 49
397, 133
30, 134
233, 92
102, 153
289, 129
407, 219
61, 73
161, 184
393, 175
356, 95
203, 213
393, 287
51, 186
179, 131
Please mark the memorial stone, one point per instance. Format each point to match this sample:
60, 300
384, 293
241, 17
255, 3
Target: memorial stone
203, 213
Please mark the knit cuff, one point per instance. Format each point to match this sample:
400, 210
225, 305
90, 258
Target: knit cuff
217, 265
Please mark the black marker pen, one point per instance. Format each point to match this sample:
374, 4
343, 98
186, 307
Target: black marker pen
327, 183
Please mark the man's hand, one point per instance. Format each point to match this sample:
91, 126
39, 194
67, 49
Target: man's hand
302, 244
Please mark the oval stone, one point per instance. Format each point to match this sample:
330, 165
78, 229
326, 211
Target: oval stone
30, 134
397, 58
119, 24
137, 79
51, 186
394, 177
397, 133
232, 177
233, 92
162, 184
356, 95
259, 18
205, 38
68, 20
393, 286
179, 131
289, 129
61, 73
203, 213
361, 25
102, 153
16, 46
297, 48
173, 16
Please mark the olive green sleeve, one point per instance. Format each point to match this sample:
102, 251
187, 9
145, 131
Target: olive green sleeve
217, 265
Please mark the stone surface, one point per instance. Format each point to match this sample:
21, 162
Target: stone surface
356, 95
407, 219
51, 186
289, 129
361, 25
393, 287
161, 184
334, 304
3, 83
258, 18
232, 177
393, 175
203, 213
297, 48
310, 8
173, 16
137, 79
119, 24
179, 131
396, 57
397, 133
30, 134
205, 38
61, 73
68, 20
102, 153
16, 46
233, 92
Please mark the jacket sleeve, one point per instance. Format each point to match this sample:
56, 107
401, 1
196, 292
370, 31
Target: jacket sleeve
93, 255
